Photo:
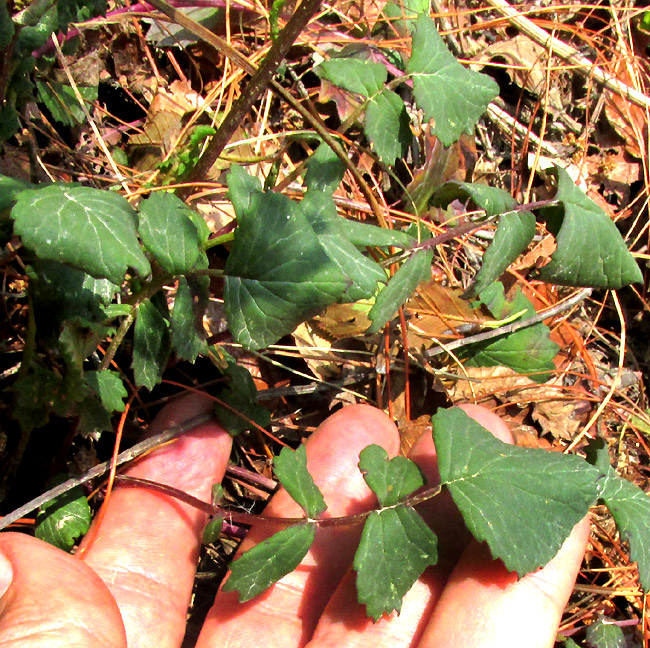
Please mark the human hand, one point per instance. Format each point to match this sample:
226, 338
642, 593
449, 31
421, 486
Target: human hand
135, 581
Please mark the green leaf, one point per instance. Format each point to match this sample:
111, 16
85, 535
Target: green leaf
109, 387
396, 547
277, 274
514, 231
291, 469
400, 287
241, 188
240, 394
187, 337
605, 634
569, 643
363, 77
402, 14
363, 234
34, 394
387, 126
270, 560
528, 351
324, 170
212, 530
11, 187
169, 233
590, 249
390, 480
490, 199
150, 345
361, 273
452, 95
90, 229
64, 519
62, 101
522, 501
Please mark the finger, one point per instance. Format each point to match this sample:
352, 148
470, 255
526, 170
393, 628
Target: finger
54, 600
345, 623
148, 544
287, 613
484, 606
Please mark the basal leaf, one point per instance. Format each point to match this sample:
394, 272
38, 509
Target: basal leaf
291, 469
90, 229
528, 351
605, 634
452, 95
278, 274
187, 337
590, 249
400, 287
522, 501
150, 345
396, 547
361, 273
324, 170
387, 126
169, 233
109, 387
266, 563
64, 519
363, 77
390, 480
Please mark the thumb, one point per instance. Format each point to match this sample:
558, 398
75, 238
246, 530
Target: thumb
6, 574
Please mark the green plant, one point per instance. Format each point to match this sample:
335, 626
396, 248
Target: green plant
102, 265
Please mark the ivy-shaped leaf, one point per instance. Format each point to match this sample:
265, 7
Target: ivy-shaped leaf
400, 287
396, 547
324, 170
605, 634
266, 563
363, 77
169, 233
522, 501
390, 480
150, 345
277, 274
64, 519
515, 230
452, 95
528, 351
590, 249
387, 126
629, 506
90, 229
291, 469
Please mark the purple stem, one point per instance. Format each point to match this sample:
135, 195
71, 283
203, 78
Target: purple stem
139, 7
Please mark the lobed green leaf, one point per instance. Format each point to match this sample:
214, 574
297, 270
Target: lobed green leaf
603, 633
363, 77
522, 501
452, 95
291, 469
396, 547
387, 126
390, 480
64, 519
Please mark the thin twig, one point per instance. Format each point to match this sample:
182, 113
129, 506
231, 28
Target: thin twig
97, 471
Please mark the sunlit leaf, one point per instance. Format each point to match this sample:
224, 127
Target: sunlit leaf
603, 633
90, 229
64, 519
452, 95
266, 563
387, 126
522, 501
150, 345
291, 469
363, 77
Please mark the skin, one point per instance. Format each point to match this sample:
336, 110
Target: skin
133, 584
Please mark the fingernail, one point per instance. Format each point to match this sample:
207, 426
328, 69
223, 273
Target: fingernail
6, 574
